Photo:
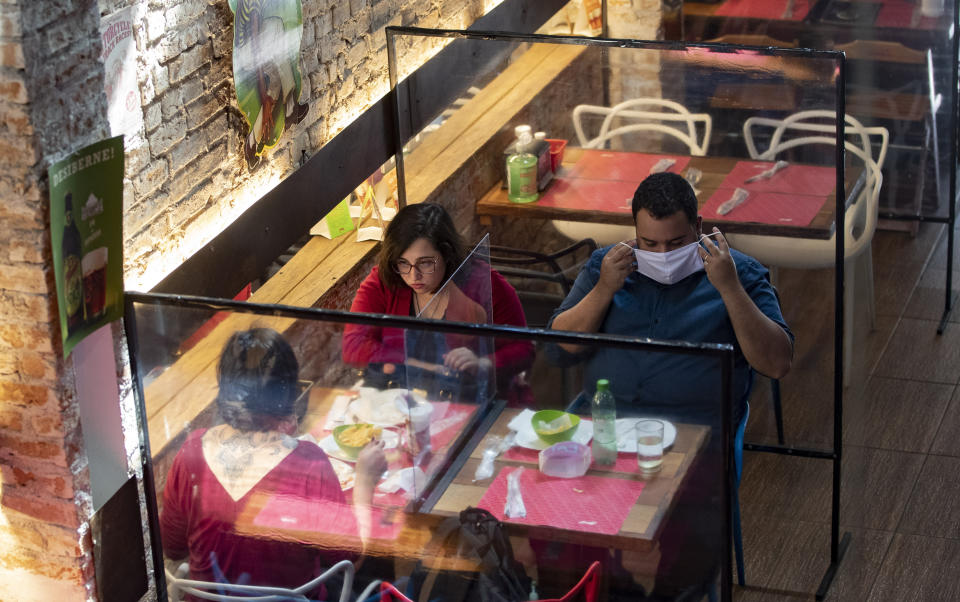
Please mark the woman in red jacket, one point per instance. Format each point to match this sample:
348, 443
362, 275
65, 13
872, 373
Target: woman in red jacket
420, 252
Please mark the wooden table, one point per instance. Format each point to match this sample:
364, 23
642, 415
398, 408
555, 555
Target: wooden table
644, 521
715, 169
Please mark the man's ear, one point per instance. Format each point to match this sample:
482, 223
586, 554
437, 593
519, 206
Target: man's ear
699, 226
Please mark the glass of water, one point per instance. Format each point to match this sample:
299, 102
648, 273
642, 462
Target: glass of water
649, 446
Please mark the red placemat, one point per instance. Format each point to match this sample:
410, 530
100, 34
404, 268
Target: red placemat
287, 517
589, 503
812, 180
763, 9
610, 196
626, 462
900, 14
766, 208
627, 167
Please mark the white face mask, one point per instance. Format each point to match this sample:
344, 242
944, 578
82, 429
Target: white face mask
672, 266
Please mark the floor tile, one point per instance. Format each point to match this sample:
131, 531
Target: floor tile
892, 248
786, 487
893, 285
928, 299
934, 507
919, 568
938, 259
947, 441
876, 486
896, 414
917, 352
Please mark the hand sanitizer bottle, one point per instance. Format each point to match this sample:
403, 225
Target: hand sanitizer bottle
522, 171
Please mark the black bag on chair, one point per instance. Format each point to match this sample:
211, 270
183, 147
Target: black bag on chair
476, 539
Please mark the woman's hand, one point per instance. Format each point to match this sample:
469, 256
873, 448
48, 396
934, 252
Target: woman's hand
462, 359
371, 464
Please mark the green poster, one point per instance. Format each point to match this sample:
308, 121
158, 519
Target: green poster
266, 70
86, 219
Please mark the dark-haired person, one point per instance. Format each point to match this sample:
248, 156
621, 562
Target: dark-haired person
420, 252
674, 283
251, 463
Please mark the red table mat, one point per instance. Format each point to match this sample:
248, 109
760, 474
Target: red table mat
766, 208
627, 167
609, 196
900, 14
589, 503
763, 9
288, 517
811, 180
626, 462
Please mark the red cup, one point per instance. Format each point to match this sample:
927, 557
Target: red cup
556, 153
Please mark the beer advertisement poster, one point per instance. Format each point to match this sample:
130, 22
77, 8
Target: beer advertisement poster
86, 220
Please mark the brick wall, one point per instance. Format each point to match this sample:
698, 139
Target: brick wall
186, 176
51, 101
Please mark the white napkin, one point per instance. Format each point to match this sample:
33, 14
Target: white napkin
410, 480
337, 414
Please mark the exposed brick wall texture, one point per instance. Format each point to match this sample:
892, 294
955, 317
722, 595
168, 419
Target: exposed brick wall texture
51, 101
186, 176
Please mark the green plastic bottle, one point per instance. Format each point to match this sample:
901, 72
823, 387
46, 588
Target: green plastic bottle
604, 414
522, 172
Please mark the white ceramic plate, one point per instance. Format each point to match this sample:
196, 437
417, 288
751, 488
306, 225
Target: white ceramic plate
627, 440
329, 445
526, 437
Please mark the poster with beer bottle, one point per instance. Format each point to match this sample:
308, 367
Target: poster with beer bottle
86, 220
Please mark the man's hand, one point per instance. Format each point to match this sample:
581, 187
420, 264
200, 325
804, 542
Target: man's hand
718, 264
617, 265
371, 464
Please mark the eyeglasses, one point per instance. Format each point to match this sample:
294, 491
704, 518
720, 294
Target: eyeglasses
424, 265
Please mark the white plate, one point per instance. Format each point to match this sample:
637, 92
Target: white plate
627, 440
329, 445
526, 437
379, 408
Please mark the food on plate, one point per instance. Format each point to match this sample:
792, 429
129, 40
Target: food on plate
358, 435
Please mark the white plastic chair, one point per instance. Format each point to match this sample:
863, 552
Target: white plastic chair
206, 590
629, 117
818, 128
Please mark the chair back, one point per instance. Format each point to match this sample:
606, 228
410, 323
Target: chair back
586, 590
646, 115
818, 127
228, 592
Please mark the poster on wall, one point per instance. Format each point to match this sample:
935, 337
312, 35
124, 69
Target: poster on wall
119, 59
86, 219
266, 70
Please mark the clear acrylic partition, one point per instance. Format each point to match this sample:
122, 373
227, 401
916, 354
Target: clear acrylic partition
251, 478
901, 69
456, 366
752, 129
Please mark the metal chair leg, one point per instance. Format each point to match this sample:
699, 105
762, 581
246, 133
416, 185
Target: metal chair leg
777, 408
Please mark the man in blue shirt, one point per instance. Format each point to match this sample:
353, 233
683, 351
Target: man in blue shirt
673, 283
667, 286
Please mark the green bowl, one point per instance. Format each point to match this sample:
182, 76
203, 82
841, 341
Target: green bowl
549, 416
350, 451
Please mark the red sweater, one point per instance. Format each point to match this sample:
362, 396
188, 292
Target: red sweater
365, 344
200, 519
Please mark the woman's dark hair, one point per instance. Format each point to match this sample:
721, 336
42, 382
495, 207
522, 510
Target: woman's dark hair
424, 220
663, 194
257, 378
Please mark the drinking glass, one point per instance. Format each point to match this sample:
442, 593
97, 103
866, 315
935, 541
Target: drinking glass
649, 446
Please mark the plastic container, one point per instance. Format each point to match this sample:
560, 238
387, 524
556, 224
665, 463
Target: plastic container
556, 153
567, 459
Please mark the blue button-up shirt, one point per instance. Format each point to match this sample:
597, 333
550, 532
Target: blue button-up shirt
675, 386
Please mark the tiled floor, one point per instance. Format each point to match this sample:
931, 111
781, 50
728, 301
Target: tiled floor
900, 494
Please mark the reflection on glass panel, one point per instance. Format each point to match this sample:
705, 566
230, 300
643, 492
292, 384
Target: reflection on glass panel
898, 72
272, 461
